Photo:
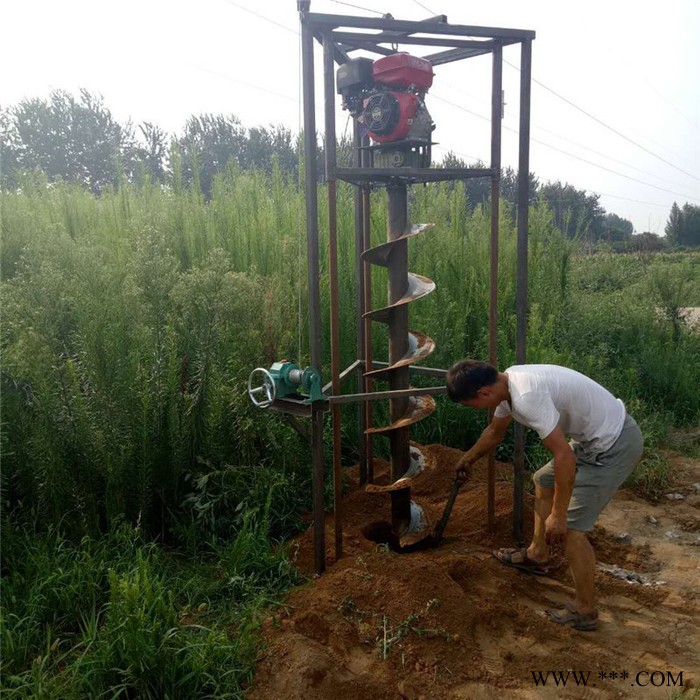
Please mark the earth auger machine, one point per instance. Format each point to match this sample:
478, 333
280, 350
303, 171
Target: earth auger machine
386, 97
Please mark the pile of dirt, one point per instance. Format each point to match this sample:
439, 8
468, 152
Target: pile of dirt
453, 622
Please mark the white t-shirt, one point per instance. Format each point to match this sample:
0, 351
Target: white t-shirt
543, 397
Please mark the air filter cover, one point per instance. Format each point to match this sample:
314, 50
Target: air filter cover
403, 71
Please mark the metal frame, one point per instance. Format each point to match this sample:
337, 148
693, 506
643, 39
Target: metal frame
340, 35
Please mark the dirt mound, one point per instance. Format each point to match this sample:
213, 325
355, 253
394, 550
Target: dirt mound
452, 622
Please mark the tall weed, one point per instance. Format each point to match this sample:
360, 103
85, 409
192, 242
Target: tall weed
132, 320
118, 617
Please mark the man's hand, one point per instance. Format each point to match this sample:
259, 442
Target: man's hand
463, 468
490, 438
555, 529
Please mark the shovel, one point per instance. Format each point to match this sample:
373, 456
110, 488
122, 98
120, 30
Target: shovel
382, 533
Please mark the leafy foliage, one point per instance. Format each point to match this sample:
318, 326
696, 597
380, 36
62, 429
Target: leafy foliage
132, 320
125, 353
615, 228
683, 226
41, 135
576, 213
71, 139
130, 323
117, 616
478, 190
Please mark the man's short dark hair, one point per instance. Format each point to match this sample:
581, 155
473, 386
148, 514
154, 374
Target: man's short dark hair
466, 377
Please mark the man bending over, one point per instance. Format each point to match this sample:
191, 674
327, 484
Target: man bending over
572, 489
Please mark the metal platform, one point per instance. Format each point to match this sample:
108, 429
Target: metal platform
384, 176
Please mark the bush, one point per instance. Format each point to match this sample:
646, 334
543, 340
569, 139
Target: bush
119, 616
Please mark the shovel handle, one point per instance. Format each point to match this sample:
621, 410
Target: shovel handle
456, 485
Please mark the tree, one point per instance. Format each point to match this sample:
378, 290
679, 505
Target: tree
615, 228
66, 138
478, 190
509, 186
690, 232
646, 242
576, 213
207, 146
674, 224
210, 142
683, 226
262, 144
151, 156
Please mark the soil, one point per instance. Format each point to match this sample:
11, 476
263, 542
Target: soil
453, 622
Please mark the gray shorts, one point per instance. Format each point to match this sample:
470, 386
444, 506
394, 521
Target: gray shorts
598, 476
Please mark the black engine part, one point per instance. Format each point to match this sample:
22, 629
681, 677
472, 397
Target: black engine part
381, 113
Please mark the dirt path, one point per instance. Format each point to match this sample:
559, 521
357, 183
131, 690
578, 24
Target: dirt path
454, 623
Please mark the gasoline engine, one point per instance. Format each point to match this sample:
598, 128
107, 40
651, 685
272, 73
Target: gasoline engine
386, 97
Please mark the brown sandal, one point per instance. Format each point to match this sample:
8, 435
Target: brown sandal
522, 562
570, 617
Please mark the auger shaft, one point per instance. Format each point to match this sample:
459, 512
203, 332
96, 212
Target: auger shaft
397, 225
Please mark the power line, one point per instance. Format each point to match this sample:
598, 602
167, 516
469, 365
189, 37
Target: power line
464, 109
602, 167
474, 159
642, 77
605, 155
571, 155
576, 143
607, 126
637, 201
257, 14
358, 7
243, 82
458, 153
427, 9
267, 19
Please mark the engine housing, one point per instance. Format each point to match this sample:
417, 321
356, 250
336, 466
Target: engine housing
386, 97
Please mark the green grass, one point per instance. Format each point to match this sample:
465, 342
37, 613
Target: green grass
651, 476
120, 617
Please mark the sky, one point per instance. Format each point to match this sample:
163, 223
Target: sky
615, 93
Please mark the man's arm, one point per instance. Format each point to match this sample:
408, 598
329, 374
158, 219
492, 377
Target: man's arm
564, 476
491, 437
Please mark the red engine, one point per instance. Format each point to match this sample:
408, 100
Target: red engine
389, 115
403, 71
386, 96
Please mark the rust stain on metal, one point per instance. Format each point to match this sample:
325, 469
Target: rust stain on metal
418, 287
420, 346
381, 254
418, 408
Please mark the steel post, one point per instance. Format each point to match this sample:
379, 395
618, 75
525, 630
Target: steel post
329, 96
360, 306
521, 290
496, 116
307, 59
367, 274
